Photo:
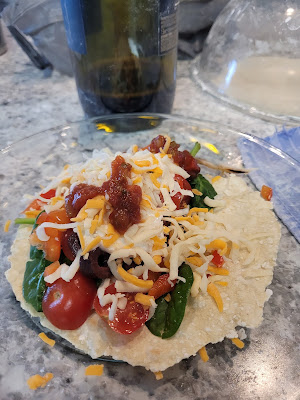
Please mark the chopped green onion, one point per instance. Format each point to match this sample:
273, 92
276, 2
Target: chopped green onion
28, 221
195, 149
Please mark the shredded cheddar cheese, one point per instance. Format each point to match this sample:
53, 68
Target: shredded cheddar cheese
7, 225
91, 245
36, 381
137, 260
215, 179
144, 299
197, 192
94, 370
203, 354
158, 375
134, 280
222, 283
46, 339
157, 259
32, 213
167, 297
94, 224
218, 271
213, 291
197, 209
197, 261
238, 343
218, 244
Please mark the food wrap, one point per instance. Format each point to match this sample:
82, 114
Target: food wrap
247, 216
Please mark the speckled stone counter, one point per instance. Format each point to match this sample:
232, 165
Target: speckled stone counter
29, 103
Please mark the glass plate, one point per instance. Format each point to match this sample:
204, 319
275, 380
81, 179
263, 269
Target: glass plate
251, 59
27, 164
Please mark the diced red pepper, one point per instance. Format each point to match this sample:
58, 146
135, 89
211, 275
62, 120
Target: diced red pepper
217, 260
36, 204
49, 194
266, 192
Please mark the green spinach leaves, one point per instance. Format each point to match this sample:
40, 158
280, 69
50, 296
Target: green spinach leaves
169, 315
33, 284
205, 187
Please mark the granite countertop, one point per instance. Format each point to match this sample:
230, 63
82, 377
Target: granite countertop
31, 102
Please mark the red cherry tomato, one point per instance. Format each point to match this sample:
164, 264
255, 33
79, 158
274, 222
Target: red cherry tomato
126, 321
67, 305
179, 200
161, 286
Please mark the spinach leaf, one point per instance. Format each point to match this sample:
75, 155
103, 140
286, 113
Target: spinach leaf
200, 183
33, 284
169, 315
156, 324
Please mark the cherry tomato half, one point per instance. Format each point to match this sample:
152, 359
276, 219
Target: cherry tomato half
67, 305
179, 200
126, 321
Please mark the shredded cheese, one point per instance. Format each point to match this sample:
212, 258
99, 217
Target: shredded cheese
32, 213
167, 144
134, 280
91, 245
46, 339
94, 370
203, 354
217, 244
197, 192
238, 343
36, 381
215, 179
7, 225
158, 375
144, 299
213, 291
218, 271
197, 209
221, 283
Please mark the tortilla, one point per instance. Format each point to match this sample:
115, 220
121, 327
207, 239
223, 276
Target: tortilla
252, 220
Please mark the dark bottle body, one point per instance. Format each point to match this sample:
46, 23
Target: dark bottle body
124, 54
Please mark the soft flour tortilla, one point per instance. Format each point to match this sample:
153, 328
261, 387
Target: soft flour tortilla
248, 216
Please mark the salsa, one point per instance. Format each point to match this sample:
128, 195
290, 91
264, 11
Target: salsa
124, 198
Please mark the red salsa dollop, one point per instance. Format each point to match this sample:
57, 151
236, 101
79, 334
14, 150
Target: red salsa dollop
124, 198
182, 158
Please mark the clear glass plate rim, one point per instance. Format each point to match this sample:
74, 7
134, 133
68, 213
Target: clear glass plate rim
175, 117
